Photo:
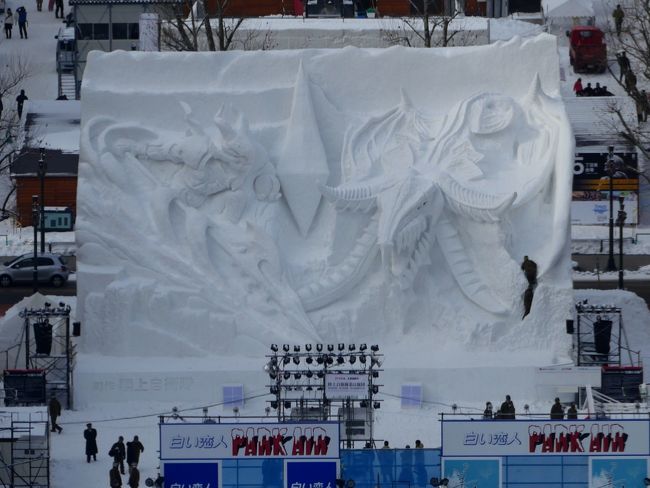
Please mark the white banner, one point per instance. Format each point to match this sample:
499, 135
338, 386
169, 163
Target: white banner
341, 386
597, 212
304, 440
544, 437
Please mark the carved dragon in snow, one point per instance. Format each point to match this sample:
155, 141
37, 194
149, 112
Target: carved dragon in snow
410, 185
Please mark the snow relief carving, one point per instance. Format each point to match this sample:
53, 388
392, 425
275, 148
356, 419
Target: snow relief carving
224, 233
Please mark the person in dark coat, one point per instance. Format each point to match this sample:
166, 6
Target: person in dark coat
118, 453
134, 478
20, 100
59, 8
529, 267
54, 409
618, 16
507, 410
557, 410
623, 64
22, 21
488, 414
588, 91
90, 434
115, 477
133, 450
9, 23
572, 412
528, 300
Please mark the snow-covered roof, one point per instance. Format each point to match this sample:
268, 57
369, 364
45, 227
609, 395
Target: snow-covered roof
567, 8
593, 117
53, 124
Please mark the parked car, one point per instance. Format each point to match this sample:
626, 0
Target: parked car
51, 269
587, 49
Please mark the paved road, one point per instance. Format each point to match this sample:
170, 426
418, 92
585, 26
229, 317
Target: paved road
14, 294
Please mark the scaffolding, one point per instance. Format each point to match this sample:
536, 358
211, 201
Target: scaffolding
24, 449
599, 335
46, 338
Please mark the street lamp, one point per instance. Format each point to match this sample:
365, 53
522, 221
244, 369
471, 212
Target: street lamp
620, 221
35, 212
611, 265
42, 168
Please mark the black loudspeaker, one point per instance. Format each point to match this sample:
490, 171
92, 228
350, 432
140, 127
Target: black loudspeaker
602, 335
569, 326
76, 329
43, 337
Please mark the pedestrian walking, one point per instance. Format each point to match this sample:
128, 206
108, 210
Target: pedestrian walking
134, 478
20, 100
90, 434
54, 409
22, 21
557, 410
115, 477
118, 453
133, 450
59, 9
577, 87
618, 16
9, 23
39, 5
623, 64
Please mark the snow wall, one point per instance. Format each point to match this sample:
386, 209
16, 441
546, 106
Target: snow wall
232, 200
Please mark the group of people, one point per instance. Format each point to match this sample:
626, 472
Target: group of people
507, 410
589, 91
19, 18
131, 453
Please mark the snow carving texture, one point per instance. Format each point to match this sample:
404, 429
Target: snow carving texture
288, 202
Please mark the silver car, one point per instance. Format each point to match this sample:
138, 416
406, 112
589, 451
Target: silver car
51, 269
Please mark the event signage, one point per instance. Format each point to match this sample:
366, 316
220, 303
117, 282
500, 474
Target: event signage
192, 475
590, 201
342, 386
304, 440
310, 474
543, 437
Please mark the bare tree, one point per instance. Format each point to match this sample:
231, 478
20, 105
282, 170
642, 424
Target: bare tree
14, 70
426, 27
634, 41
191, 28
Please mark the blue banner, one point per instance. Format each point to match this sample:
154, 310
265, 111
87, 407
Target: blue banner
310, 474
192, 475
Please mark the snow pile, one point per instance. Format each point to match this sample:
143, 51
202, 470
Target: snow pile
257, 197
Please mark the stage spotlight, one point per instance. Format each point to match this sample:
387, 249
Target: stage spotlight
287, 375
341, 346
274, 347
363, 347
308, 347
48, 304
286, 360
330, 360
274, 405
375, 374
340, 360
434, 482
267, 410
287, 405
363, 404
330, 347
296, 348
309, 388
444, 482
320, 374
309, 374
376, 362
285, 347
376, 405
646, 481
320, 360
353, 359
273, 375
374, 348
273, 390
362, 359
350, 484
309, 360
297, 376
352, 347
375, 389
319, 347
296, 360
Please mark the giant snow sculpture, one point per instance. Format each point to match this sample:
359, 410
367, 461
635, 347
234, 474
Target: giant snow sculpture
300, 196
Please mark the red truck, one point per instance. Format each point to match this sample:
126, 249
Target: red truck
587, 51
